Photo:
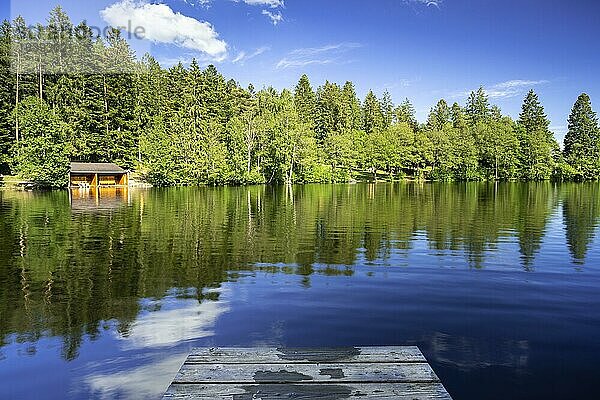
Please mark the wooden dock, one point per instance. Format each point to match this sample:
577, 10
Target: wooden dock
282, 373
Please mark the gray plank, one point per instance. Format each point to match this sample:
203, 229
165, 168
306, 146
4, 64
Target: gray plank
296, 373
400, 391
302, 355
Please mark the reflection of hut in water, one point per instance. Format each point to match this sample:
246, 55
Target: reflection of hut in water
99, 198
84, 175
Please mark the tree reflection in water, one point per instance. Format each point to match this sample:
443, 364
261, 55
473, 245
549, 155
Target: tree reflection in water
71, 262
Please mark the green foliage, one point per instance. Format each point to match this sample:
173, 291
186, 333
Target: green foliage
582, 140
328, 113
341, 152
405, 112
439, 116
498, 148
372, 113
7, 100
537, 144
387, 110
305, 99
457, 116
41, 155
351, 119
191, 126
478, 107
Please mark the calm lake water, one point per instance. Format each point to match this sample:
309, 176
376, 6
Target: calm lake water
103, 295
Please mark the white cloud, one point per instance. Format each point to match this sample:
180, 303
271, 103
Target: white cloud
328, 54
285, 63
275, 17
512, 88
518, 83
263, 3
428, 3
242, 56
162, 25
201, 3
269, 3
505, 90
398, 83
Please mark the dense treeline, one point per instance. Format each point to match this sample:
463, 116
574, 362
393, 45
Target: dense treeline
189, 126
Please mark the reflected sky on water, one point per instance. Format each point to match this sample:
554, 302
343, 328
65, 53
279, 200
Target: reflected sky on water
102, 295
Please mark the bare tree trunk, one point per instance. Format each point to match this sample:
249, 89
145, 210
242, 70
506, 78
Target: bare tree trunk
289, 178
496, 169
18, 76
105, 103
249, 160
40, 78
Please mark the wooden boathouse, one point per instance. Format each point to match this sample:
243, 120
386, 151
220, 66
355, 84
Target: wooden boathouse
84, 175
400, 373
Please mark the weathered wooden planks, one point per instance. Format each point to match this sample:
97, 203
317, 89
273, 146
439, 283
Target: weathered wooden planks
278, 373
334, 391
307, 355
281, 373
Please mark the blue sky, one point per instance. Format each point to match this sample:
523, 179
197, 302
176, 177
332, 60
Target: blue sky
423, 50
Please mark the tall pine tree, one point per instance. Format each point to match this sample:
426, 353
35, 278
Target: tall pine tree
405, 112
478, 107
304, 100
536, 142
372, 114
581, 142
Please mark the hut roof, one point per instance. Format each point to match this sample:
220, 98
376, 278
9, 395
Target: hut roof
96, 168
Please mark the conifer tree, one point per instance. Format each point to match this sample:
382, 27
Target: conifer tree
478, 107
328, 110
372, 114
305, 100
582, 140
405, 112
7, 102
351, 118
537, 143
387, 109
439, 116
60, 32
458, 117
190, 125
119, 101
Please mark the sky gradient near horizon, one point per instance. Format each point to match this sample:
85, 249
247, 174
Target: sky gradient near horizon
420, 49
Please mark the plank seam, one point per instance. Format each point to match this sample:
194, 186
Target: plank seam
313, 382
302, 363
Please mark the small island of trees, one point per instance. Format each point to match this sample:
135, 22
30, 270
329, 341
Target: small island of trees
192, 126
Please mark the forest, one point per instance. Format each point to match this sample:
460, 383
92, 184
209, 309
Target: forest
192, 126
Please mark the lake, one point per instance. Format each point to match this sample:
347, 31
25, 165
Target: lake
102, 295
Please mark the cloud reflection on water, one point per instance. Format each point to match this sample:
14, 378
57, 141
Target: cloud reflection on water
144, 382
168, 327
170, 322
